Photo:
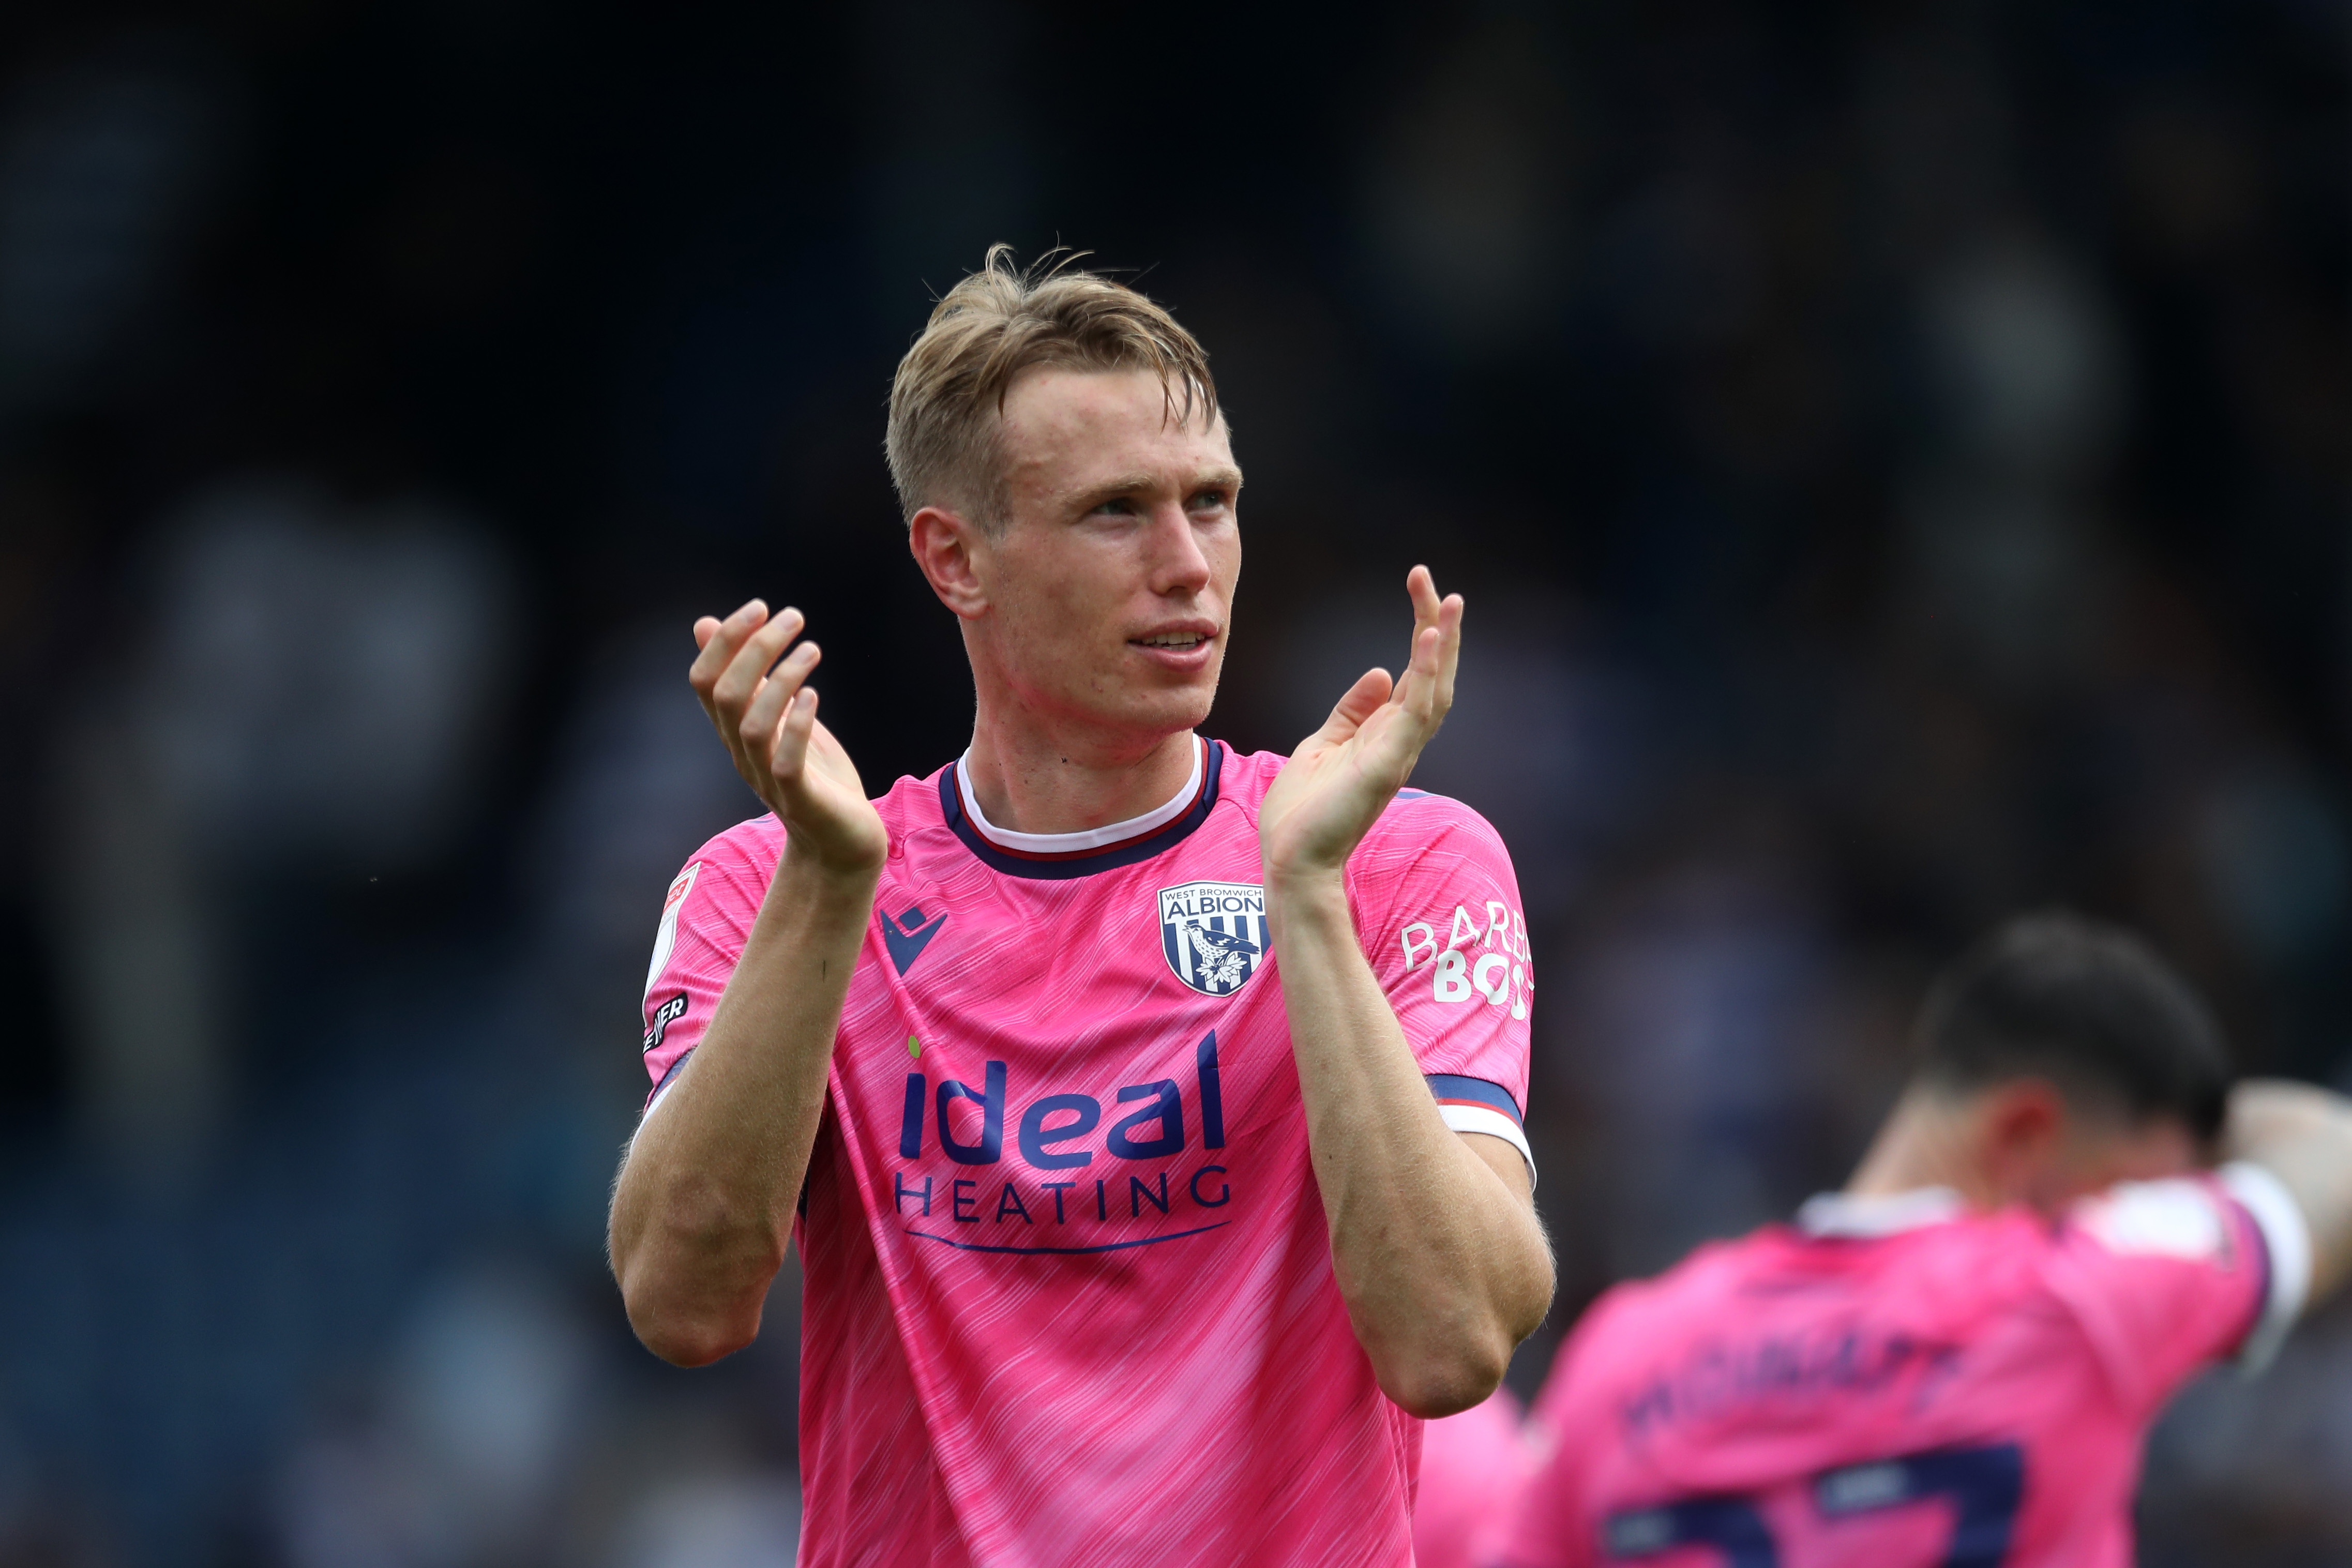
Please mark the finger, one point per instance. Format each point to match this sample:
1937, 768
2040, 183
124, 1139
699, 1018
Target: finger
1417, 692
725, 637
1427, 689
1424, 593
1449, 649
767, 705
740, 680
788, 757
1421, 588
1361, 701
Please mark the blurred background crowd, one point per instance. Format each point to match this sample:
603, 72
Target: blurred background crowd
1895, 455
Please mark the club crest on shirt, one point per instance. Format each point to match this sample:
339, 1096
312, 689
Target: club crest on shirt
1213, 934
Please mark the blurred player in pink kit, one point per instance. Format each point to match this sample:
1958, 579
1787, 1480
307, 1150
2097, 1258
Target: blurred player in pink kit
1955, 1360
1148, 1114
1471, 1468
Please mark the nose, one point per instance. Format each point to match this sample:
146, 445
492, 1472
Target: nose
1178, 564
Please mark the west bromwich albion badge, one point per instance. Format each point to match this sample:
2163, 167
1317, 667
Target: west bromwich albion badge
1213, 934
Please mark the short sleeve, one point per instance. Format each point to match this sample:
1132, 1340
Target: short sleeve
1438, 910
2167, 1277
706, 919
2286, 1249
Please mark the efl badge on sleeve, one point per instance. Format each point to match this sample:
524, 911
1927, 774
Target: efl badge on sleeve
665, 934
1213, 934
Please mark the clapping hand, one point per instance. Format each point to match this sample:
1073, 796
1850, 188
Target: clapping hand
1342, 777
766, 713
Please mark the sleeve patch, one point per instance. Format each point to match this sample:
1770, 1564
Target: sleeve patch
2165, 1219
668, 1013
665, 935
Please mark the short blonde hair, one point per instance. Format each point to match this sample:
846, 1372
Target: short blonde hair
947, 401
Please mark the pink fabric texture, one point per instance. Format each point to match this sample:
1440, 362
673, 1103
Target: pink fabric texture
1974, 1390
1472, 1467
1069, 1294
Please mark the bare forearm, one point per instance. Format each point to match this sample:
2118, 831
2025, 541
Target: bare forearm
2302, 1135
702, 1212
1441, 1264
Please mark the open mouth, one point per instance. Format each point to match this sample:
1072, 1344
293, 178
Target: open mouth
1181, 642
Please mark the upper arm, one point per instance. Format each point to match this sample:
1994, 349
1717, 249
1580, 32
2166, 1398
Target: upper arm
1503, 1157
1439, 916
2301, 1138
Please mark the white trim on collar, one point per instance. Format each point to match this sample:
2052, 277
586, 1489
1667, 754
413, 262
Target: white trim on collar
1085, 838
1866, 1217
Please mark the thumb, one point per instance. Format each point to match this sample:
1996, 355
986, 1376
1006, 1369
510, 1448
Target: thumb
1363, 699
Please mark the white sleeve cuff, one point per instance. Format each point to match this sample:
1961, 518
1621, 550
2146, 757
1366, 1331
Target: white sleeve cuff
2286, 1238
1493, 1124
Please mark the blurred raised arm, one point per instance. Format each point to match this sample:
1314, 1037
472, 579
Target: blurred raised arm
2302, 1135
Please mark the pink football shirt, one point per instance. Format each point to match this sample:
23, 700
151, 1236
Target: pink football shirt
1069, 1294
1896, 1383
1472, 1467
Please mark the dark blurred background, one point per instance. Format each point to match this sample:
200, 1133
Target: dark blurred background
1895, 455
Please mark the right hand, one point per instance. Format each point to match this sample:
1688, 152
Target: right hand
1340, 779
766, 713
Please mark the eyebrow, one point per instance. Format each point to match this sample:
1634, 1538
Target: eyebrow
1223, 478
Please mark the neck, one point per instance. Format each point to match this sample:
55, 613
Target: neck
1028, 780
1926, 1142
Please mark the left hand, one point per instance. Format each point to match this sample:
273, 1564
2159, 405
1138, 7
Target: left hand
1342, 777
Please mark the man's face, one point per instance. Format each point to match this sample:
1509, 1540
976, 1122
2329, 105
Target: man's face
1111, 586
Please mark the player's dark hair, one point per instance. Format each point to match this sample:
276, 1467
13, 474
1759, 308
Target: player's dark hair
2089, 1007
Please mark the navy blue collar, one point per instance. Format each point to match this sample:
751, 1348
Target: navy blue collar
1083, 862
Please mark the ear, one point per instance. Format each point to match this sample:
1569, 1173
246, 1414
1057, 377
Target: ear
2023, 1125
953, 554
